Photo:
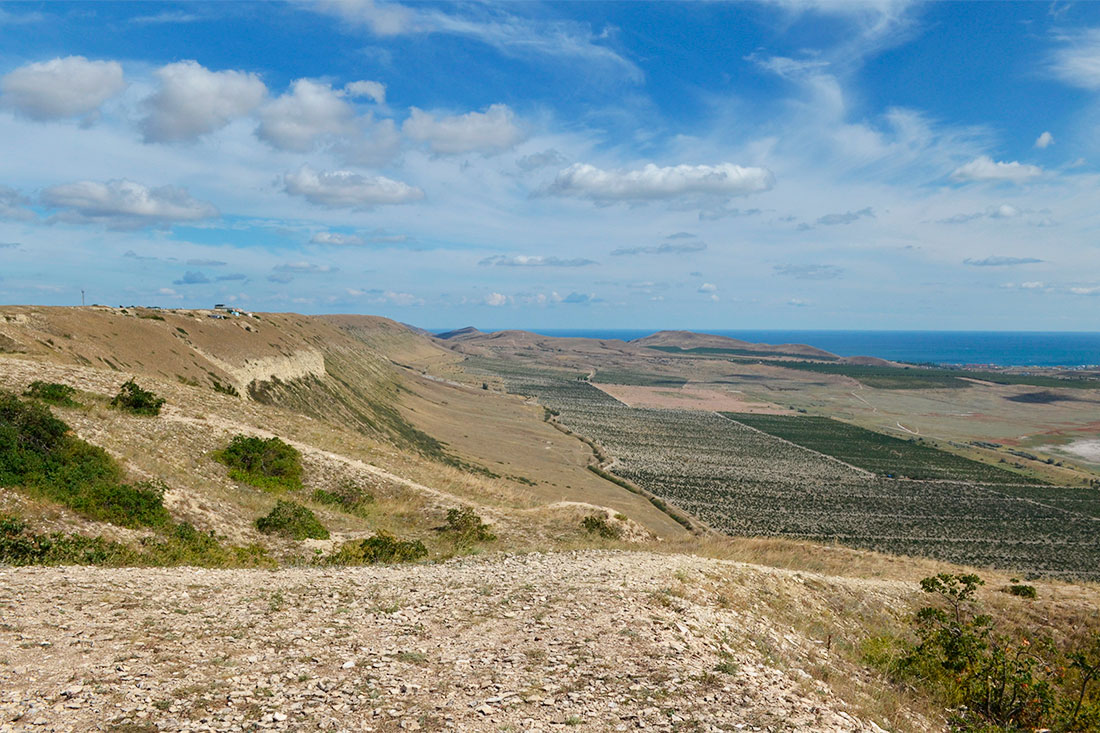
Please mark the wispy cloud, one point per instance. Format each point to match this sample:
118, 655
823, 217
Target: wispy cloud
535, 261
847, 217
809, 272
1001, 261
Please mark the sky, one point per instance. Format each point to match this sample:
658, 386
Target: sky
802, 164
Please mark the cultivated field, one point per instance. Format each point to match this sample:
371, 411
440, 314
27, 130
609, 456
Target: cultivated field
743, 481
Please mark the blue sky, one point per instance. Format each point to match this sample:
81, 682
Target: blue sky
777, 164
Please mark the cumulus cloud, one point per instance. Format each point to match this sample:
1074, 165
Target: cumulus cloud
846, 218
337, 239
984, 168
374, 90
1080, 290
534, 161
809, 272
535, 261
708, 288
192, 278
491, 131
397, 298
652, 182
193, 101
345, 189
14, 205
373, 143
576, 298
496, 299
1003, 211
1044, 141
1000, 261
61, 88
309, 112
123, 204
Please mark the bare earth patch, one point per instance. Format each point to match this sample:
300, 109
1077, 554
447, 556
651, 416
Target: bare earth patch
604, 641
689, 398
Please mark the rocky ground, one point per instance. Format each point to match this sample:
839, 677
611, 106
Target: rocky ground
593, 640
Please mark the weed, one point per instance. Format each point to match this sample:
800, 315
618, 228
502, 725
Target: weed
347, 495
595, 524
466, 528
381, 548
292, 520
133, 399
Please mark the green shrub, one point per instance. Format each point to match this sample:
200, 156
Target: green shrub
228, 389
595, 524
53, 393
994, 677
292, 520
1023, 591
181, 544
266, 464
39, 453
466, 528
381, 548
348, 496
133, 399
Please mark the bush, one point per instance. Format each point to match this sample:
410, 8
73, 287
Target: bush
348, 496
1023, 591
228, 389
138, 401
997, 679
266, 464
292, 520
39, 453
53, 393
182, 544
466, 528
595, 524
381, 548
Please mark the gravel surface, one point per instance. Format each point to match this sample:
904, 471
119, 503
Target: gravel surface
586, 640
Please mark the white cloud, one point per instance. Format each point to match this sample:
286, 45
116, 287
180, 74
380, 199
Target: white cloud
490, 131
14, 205
346, 189
372, 144
984, 168
496, 299
651, 182
510, 34
535, 261
1077, 62
299, 119
61, 88
123, 204
338, 239
375, 90
1094, 290
306, 268
193, 101
708, 288
1001, 261
847, 217
1044, 141
401, 298
534, 161
1032, 284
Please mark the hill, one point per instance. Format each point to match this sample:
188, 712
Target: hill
545, 591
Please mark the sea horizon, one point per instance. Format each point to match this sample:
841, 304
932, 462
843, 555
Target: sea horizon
1069, 349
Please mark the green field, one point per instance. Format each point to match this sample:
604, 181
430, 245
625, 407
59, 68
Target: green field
885, 455
712, 351
607, 376
746, 482
918, 377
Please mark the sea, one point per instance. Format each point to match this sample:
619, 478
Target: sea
991, 348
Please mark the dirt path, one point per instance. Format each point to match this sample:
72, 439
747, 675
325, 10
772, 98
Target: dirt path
600, 641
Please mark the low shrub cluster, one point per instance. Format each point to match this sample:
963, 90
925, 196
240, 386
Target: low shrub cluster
180, 544
137, 401
292, 521
383, 547
595, 524
266, 464
52, 393
348, 496
991, 675
39, 453
465, 528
